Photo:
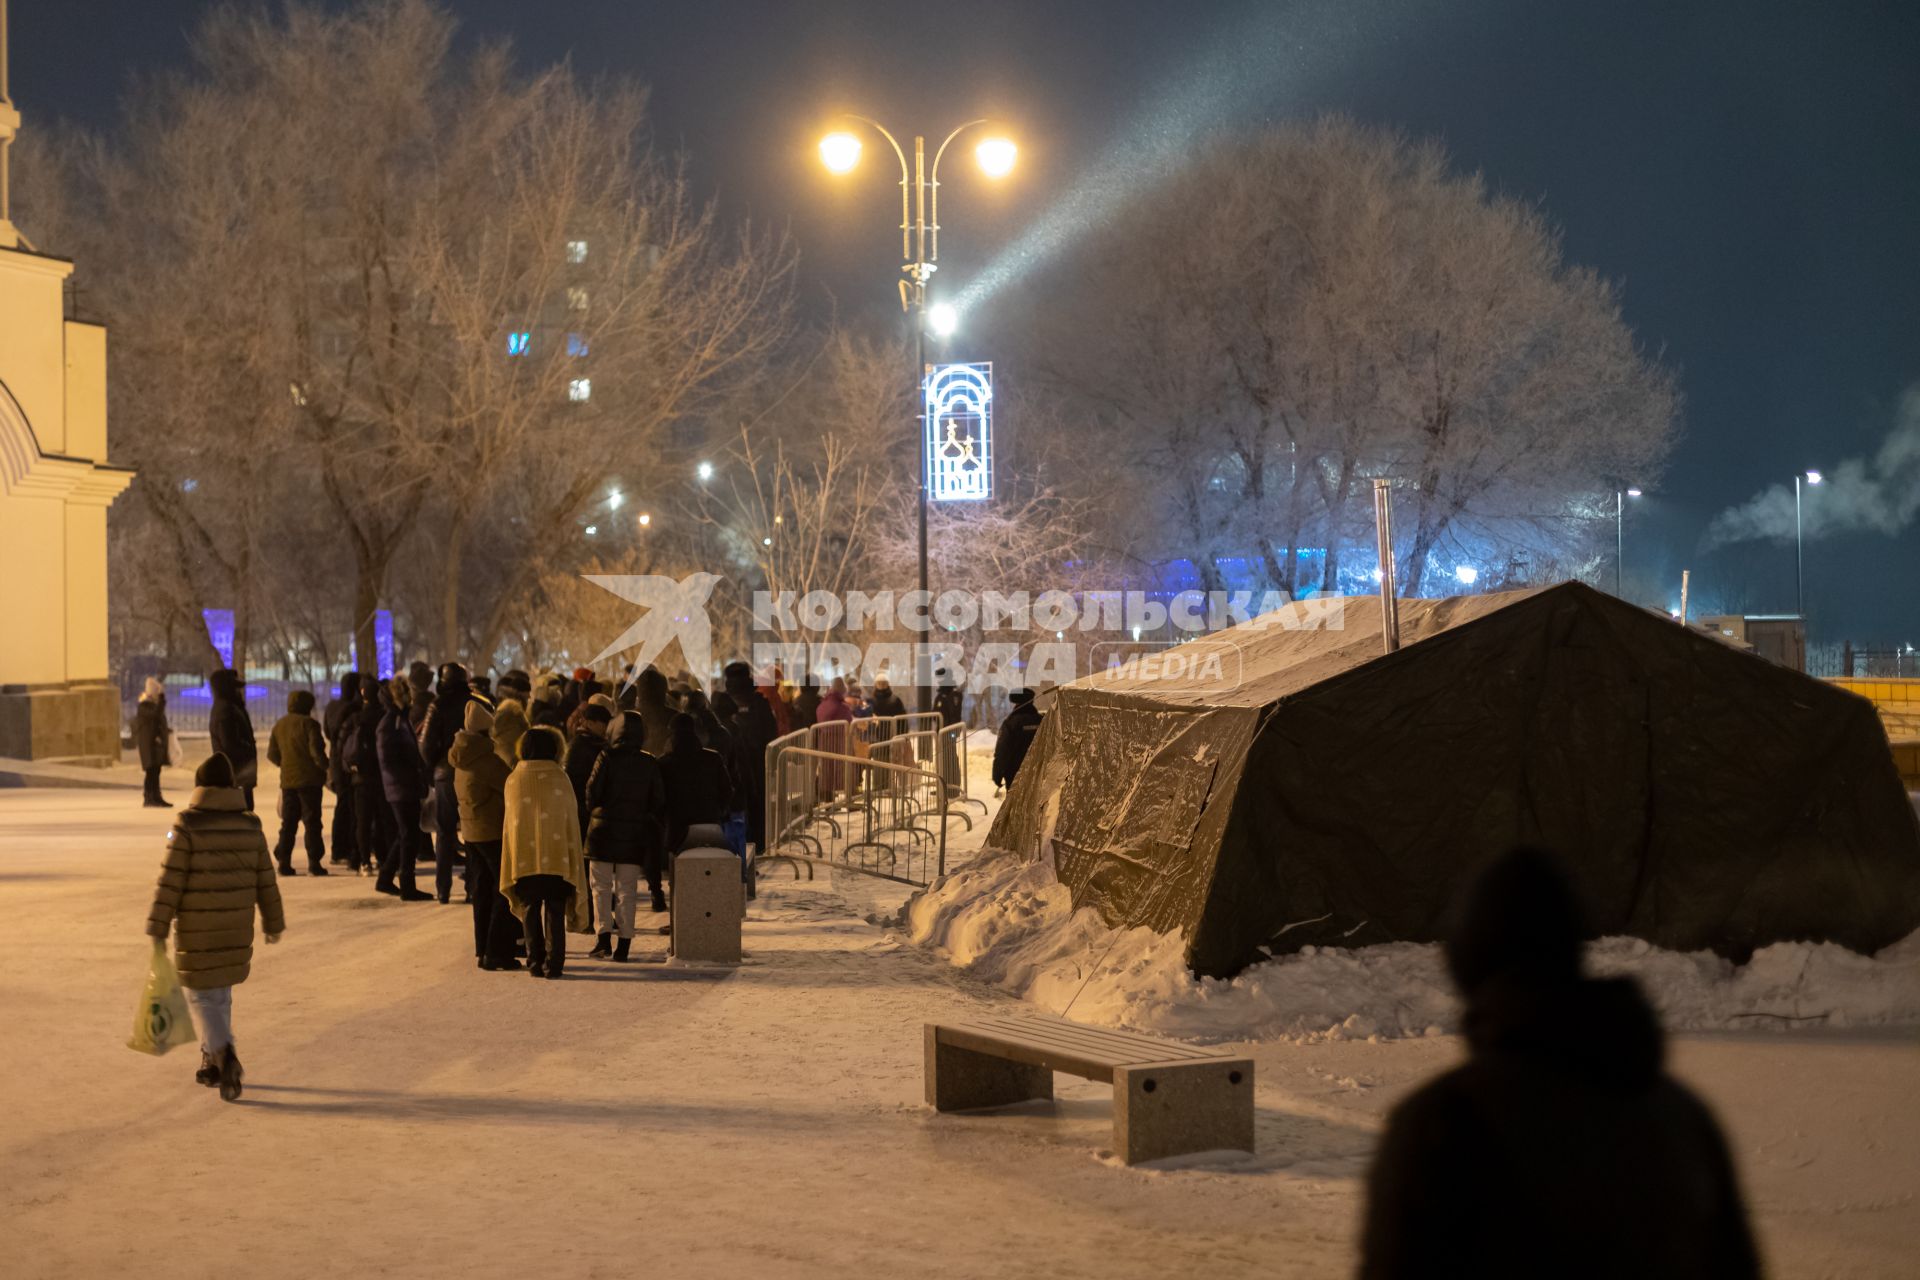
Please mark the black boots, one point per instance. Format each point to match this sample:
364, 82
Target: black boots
209, 1072
603, 948
659, 900
229, 1075
620, 951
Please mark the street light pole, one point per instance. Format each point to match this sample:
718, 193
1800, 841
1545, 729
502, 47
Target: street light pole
920, 252
1619, 538
1799, 558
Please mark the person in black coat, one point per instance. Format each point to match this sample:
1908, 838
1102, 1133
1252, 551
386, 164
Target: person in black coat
753, 731
150, 741
699, 783
230, 729
626, 821
583, 752
1561, 1148
405, 777
335, 724
1016, 737
360, 751
443, 720
885, 702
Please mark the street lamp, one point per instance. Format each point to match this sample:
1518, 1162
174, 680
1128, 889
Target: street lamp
919, 255
1620, 497
1799, 549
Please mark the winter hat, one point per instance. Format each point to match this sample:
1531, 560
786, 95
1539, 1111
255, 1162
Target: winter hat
596, 714
1521, 920
583, 674
419, 674
1020, 697
215, 771
602, 700
629, 725
300, 702
152, 690
479, 719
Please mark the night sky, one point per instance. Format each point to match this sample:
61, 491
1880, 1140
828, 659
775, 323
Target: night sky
1749, 171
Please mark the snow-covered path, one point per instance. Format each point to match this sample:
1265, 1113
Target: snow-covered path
408, 1114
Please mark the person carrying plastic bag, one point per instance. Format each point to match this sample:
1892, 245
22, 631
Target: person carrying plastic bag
217, 873
160, 1022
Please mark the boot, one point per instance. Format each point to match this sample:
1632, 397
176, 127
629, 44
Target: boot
230, 1075
386, 886
620, 951
317, 869
209, 1072
155, 802
415, 895
286, 869
603, 948
659, 900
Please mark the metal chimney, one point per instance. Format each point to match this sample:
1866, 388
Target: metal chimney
1383, 544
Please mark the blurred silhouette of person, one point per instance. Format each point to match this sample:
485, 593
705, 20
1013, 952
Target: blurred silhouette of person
1561, 1148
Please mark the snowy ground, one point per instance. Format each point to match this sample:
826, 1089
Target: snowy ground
407, 1114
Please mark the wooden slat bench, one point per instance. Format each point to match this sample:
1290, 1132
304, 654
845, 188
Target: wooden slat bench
1169, 1099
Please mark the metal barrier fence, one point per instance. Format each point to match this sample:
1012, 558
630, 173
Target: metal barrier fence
861, 814
851, 779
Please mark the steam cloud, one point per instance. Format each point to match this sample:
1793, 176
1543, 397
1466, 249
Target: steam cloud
1880, 494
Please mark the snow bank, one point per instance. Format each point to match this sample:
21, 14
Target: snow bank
1010, 923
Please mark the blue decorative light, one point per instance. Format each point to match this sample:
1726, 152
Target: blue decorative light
959, 432
517, 343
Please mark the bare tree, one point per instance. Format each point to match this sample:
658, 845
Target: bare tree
1295, 313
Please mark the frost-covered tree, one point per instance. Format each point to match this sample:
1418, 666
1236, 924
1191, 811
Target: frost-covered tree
1292, 314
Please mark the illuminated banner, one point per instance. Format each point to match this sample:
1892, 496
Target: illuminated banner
959, 427
220, 632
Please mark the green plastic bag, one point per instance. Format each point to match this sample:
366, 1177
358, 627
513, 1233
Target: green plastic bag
161, 1021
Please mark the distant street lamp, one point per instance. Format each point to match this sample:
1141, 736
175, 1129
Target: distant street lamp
919, 253
1799, 549
1620, 497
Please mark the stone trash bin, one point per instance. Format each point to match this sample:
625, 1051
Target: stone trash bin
709, 904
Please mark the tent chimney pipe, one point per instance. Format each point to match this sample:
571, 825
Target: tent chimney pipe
1383, 541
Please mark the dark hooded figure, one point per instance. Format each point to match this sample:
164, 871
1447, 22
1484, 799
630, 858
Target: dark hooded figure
806, 705
341, 715
626, 827
754, 729
373, 819
1016, 737
444, 719
650, 700
885, 702
230, 730
406, 780
699, 784
1561, 1148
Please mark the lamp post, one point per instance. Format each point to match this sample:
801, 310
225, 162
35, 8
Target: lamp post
1620, 497
920, 255
1799, 550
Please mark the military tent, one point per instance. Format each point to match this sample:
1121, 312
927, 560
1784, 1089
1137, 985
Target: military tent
1286, 783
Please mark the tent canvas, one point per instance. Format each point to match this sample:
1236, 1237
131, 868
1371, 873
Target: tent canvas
1304, 788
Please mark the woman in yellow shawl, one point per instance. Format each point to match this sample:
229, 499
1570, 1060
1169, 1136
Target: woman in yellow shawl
542, 871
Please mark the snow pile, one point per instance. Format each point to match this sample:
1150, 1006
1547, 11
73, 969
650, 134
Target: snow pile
1010, 923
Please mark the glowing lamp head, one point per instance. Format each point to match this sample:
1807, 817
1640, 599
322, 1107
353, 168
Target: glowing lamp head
840, 152
1814, 477
704, 471
1633, 493
996, 156
943, 319
646, 518
1467, 574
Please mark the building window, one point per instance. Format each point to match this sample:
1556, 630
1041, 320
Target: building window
576, 251
580, 390
517, 343
576, 344
576, 298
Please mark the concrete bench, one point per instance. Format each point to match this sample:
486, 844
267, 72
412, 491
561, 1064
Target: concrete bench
1169, 1099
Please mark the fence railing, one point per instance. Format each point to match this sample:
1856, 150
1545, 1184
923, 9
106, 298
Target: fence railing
815, 809
858, 813
1897, 701
190, 702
